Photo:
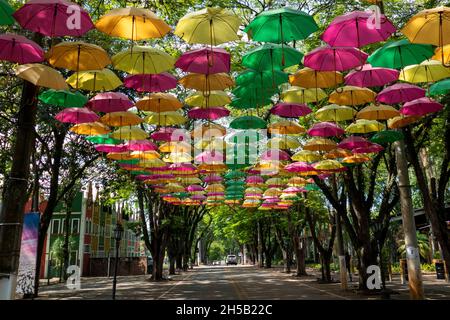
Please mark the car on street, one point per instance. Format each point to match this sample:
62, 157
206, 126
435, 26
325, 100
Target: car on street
231, 259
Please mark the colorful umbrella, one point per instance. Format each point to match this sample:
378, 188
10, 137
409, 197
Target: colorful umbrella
6, 12
77, 115
143, 60
401, 121
373, 148
336, 113
353, 142
168, 134
283, 143
290, 110
250, 102
337, 154
214, 99
302, 95
427, 71
352, 96
171, 118
325, 129
387, 136
286, 127
103, 139
275, 154
248, 122
365, 126
271, 57
370, 76
175, 146
439, 88
110, 148
320, 144
299, 167
355, 159
329, 166
207, 82
377, 112
41, 76
261, 79
18, 49
335, 59
205, 61
110, 102
442, 54
213, 113
420, 107
63, 98
159, 102
89, 129
121, 119
96, 80
400, 93
141, 145
132, 23
151, 82
306, 156
310, 78
54, 18
129, 133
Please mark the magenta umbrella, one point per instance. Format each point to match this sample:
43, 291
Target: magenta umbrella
54, 18
142, 177
290, 110
141, 145
182, 167
110, 102
254, 180
77, 116
151, 82
326, 129
194, 188
212, 178
353, 142
294, 190
372, 148
110, 148
299, 167
198, 197
275, 154
400, 93
208, 113
335, 59
420, 107
215, 194
205, 61
169, 134
370, 76
357, 29
210, 157
18, 49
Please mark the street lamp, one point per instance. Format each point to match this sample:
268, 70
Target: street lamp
118, 232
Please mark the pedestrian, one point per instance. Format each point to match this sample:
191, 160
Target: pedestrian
347, 263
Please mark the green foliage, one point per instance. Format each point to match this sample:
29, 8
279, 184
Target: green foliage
422, 243
216, 251
57, 250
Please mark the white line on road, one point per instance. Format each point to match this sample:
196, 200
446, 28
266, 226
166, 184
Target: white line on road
324, 291
175, 285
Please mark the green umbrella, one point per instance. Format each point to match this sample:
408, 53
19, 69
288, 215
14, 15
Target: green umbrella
248, 122
63, 98
440, 88
128, 162
271, 57
234, 197
234, 175
281, 25
231, 183
399, 54
181, 195
261, 79
312, 187
249, 103
103, 139
387, 136
239, 189
255, 93
6, 11
136, 173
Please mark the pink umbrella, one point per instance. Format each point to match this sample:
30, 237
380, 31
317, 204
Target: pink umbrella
268, 200
210, 157
216, 194
325, 129
299, 167
275, 154
213, 178
373, 148
110, 102
194, 188
205, 61
208, 113
357, 29
354, 142
335, 59
294, 190
54, 18
420, 107
142, 177
110, 148
182, 167
400, 93
77, 116
254, 180
18, 49
290, 110
369, 76
151, 82
169, 134
198, 197
141, 145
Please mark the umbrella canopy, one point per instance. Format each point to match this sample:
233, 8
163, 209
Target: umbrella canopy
77, 115
169, 134
41, 76
275, 154
207, 82
352, 96
357, 29
420, 107
370, 76
250, 102
110, 102
290, 110
141, 145
335, 59
18, 49
271, 56
90, 129
401, 121
171, 118
387, 136
110, 148
175, 146
6, 12
143, 60
129, 133
400, 93
328, 166
281, 26
257, 94
337, 154
336, 113
427, 71
353, 142
213, 113
261, 79
214, 99
132, 23
54, 18
96, 80
63, 98
211, 26
377, 112
248, 122
399, 54
121, 119
320, 144
78, 56
306, 156
325, 129
286, 127
440, 88
355, 159
283, 143
210, 157
442, 54
159, 102
103, 139
373, 148
303, 95
151, 82
299, 167
310, 78
205, 61
365, 126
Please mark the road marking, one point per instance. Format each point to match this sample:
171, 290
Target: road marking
324, 291
175, 285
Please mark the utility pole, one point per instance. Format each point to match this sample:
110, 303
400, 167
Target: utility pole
409, 226
340, 252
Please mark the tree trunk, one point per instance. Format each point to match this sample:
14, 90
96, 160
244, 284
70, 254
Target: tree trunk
326, 264
300, 255
179, 261
260, 246
171, 265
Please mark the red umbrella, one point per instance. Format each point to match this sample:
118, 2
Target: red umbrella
213, 178
325, 129
335, 59
353, 142
110, 148
141, 145
151, 82
205, 61
420, 107
18, 49
357, 29
169, 134
290, 110
275, 154
208, 113
77, 116
400, 93
110, 102
299, 167
372, 148
369, 76
54, 18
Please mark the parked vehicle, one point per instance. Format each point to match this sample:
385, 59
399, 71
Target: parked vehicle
231, 259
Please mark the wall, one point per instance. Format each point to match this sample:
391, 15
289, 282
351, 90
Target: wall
127, 267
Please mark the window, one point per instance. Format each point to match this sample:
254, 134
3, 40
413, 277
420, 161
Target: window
63, 226
55, 226
75, 226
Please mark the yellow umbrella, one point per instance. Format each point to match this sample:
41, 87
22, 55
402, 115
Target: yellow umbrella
273, 192
297, 182
177, 157
211, 26
96, 80
275, 182
352, 96
355, 159
191, 180
334, 112
133, 24
159, 102
145, 155
216, 187
303, 95
215, 98
401, 121
143, 60
306, 156
215, 144
175, 187
207, 82
320, 144
41, 76
309, 78
119, 156
283, 143
175, 146
337, 154
380, 112
427, 71
170, 118
78, 56
328, 165
442, 54
365, 126
210, 168
209, 131
90, 129
129, 133
254, 190
152, 163
121, 119
286, 127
